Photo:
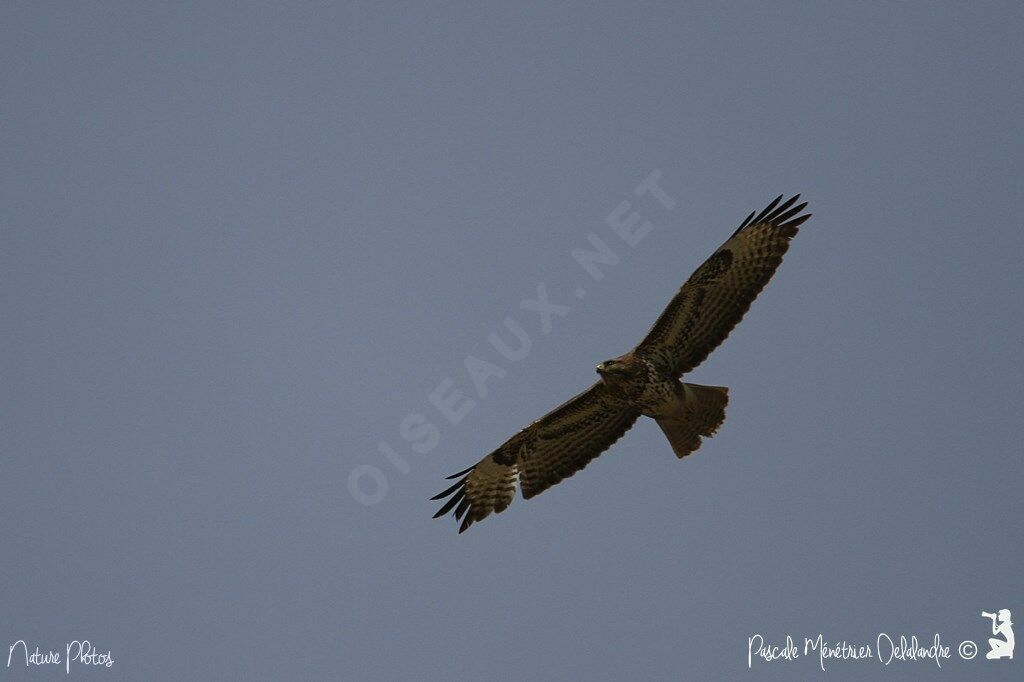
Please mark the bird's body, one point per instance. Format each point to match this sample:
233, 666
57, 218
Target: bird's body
636, 381
644, 381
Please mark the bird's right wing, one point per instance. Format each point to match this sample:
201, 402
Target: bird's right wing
716, 296
550, 449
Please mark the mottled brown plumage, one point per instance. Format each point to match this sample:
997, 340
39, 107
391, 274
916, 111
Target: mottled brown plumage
644, 381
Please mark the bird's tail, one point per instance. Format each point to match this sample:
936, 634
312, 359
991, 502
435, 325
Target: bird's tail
703, 411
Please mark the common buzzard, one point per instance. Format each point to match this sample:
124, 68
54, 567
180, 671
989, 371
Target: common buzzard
644, 381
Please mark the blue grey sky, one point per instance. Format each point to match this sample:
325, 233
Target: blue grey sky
240, 243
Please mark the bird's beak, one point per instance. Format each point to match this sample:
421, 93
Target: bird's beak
601, 368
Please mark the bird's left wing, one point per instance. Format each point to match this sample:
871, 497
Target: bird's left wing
716, 296
550, 449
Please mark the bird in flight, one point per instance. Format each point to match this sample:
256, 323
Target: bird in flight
644, 381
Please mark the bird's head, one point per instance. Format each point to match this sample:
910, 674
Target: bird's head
614, 368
